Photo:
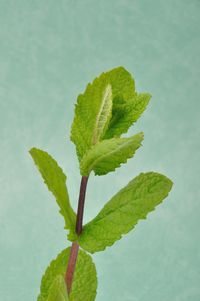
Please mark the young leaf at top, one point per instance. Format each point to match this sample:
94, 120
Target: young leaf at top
95, 105
124, 210
84, 281
92, 115
107, 155
125, 112
106, 109
58, 290
55, 180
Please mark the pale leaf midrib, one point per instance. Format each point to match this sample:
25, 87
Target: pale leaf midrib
106, 92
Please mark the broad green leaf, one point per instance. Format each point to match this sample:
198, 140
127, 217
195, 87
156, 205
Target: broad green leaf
124, 210
107, 155
55, 180
125, 112
94, 105
58, 290
84, 281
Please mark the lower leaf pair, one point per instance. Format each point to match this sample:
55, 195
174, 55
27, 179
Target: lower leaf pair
84, 285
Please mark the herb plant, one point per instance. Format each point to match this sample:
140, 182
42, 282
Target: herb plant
105, 111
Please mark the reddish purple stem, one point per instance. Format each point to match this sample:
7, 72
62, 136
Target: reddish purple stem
79, 226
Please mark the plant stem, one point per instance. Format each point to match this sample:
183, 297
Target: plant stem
81, 203
79, 225
71, 265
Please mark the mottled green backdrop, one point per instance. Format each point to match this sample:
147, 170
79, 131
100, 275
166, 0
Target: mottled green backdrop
49, 51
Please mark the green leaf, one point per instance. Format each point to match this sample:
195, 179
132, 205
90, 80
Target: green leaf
55, 180
58, 290
84, 282
94, 105
107, 155
125, 112
124, 210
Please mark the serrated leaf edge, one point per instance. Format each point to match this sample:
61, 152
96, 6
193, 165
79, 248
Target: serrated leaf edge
112, 152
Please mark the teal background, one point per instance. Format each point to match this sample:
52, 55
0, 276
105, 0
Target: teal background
49, 51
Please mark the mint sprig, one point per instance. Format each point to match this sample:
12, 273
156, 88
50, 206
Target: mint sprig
104, 111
